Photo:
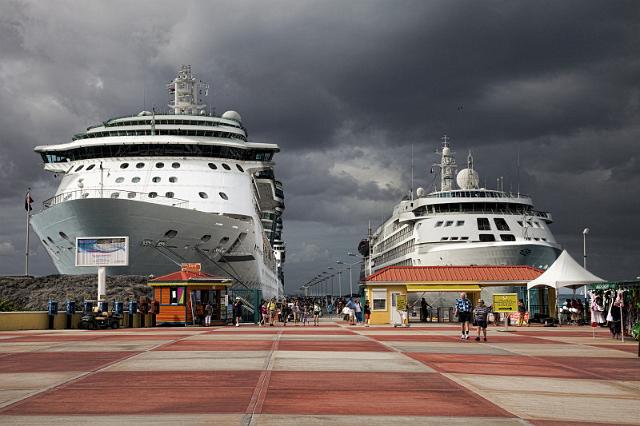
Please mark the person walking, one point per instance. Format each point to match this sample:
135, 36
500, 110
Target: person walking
423, 310
480, 314
271, 307
237, 311
463, 311
296, 313
358, 310
305, 315
263, 314
367, 313
208, 310
316, 314
522, 311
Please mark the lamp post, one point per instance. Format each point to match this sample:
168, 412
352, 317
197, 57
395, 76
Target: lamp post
585, 231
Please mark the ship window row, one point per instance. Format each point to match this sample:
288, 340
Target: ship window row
446, 223
155, 179
530, 224
484, 225
172, 122
491, 208
157, 150
394, 253
161, 132
394, 239
473, 194
454, 239
168, 194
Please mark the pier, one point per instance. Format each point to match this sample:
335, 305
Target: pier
330, 374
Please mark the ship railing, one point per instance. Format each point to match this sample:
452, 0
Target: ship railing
533, 213
112, 193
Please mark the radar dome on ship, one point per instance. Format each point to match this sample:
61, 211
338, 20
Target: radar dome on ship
232, 115
468, 179
420, 192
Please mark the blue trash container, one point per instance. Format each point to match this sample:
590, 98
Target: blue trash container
52, 308
133, 307
118, 308
70, 307
87, 307
104, 306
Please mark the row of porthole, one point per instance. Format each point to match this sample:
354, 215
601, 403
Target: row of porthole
161, 165
171, 233
155, 179
202, 195
225, 166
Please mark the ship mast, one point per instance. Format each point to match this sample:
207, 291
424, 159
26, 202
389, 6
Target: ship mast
186, 91
447, 166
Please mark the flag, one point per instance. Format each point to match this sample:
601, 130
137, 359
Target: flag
27, 201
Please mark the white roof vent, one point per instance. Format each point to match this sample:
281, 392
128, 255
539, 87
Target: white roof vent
232, 115
143, 113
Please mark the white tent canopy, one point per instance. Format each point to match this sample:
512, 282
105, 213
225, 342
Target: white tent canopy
565, 272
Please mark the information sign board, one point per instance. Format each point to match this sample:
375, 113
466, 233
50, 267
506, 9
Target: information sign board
102, 251
401, 302
505, 302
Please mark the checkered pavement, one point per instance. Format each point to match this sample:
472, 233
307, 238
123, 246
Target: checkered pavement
331, 374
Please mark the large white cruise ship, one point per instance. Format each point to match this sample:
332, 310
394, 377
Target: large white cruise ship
185, 186
467, 225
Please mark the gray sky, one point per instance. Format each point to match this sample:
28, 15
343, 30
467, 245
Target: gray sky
345, 88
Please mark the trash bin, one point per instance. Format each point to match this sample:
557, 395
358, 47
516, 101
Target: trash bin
118, 308
52, 311
133, 309
87, 307
70, 309
103, 305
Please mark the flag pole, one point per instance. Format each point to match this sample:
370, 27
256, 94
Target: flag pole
26, 250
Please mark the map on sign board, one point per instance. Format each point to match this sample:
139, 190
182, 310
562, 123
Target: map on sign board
505, 302
102, 251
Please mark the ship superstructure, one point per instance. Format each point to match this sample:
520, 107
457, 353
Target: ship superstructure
462, 224
185, 186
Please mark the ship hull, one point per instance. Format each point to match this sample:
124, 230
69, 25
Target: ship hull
537, 255
160, 239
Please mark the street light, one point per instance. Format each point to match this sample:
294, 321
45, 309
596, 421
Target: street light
585, 231
584, 247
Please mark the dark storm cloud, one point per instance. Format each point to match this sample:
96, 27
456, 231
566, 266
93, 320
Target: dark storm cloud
346, 88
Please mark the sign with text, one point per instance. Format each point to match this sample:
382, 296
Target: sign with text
505, 302
102, 251
401, 302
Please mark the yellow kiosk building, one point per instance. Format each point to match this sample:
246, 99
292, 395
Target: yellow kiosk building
388, 285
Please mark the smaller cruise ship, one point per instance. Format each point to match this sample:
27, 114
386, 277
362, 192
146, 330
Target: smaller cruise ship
462, 224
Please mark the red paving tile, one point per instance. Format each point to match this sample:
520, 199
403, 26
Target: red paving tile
218, 345
585, 333
40, 362
625, 348
407, 329
497, 365
321, 380
565, 423
155, 393
332, 345
477, 358
425, 394
414, 338
604, 368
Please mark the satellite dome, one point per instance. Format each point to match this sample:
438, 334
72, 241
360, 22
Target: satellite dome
468, 179
143, 113
232, 115
420, 192
446, 150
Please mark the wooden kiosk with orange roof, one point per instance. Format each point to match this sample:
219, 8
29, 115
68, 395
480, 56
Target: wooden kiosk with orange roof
183, 296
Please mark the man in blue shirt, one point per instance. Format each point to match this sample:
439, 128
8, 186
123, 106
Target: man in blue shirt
463, 311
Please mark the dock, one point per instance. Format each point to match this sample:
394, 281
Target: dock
332, 374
